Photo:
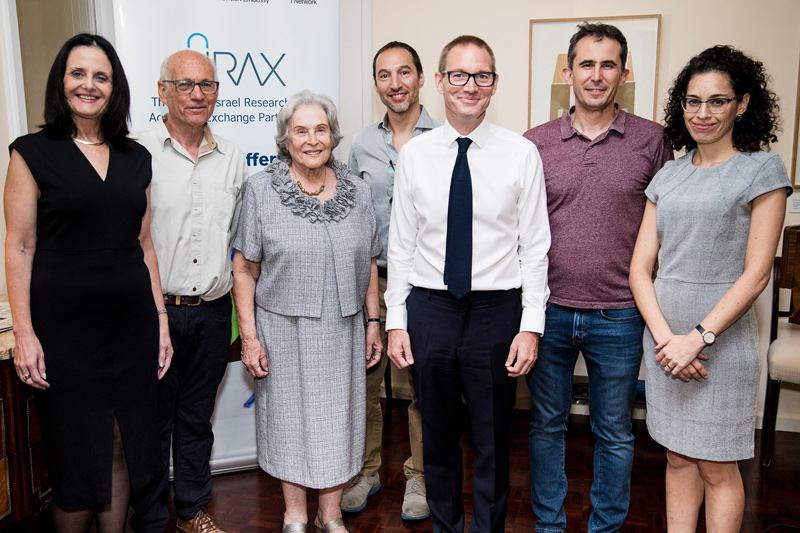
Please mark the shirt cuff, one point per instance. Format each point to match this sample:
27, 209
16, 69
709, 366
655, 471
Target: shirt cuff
532, 320
396, 317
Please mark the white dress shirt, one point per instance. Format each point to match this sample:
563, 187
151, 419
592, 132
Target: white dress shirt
194, 212
510, 229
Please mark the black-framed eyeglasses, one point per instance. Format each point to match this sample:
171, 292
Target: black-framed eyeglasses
714, 105
459, 78
187, 86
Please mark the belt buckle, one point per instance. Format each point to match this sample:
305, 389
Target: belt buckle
199, 301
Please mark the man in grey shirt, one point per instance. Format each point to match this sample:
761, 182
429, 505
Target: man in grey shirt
397, 71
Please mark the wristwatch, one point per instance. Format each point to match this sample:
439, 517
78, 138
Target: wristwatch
708, 336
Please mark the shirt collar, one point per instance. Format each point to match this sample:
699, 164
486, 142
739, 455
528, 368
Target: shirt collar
424, 122
478, 135
209, 143
568, 129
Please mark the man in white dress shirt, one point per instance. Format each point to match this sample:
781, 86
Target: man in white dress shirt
470, 336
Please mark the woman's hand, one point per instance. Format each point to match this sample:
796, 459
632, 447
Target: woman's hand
680, 355
254, 357
164, 346
374, 343
29, 360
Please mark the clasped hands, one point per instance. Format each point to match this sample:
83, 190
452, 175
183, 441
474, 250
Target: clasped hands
681, 356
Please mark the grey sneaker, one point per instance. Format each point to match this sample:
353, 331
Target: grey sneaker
415, 504
354, 497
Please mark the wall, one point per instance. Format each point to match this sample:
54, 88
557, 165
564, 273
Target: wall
687, 27
44, 25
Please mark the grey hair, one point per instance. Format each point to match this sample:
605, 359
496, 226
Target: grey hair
164, 73
287, 112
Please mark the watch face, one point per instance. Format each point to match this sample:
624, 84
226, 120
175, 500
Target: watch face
709, 337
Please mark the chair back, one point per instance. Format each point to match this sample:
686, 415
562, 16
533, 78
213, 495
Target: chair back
785, 275
791, 242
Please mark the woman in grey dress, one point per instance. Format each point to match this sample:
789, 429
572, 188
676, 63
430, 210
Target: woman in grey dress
303, 271
712, 221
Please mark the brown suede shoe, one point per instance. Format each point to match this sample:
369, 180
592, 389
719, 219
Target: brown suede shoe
201, 523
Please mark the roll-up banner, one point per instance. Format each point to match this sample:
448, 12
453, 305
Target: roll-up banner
265, 51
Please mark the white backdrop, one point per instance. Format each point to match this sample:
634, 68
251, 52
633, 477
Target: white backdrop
265, 51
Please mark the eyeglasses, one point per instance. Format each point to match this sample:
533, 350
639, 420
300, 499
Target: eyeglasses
459, 78
714, 105
187, 86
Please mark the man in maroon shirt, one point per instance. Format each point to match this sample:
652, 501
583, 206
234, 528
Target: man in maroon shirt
597, 161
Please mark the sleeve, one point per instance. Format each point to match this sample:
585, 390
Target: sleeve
375, 246
353, 161
652, 188
240, 180
248, 234
663, 154
772, 175
402, 245
534, 243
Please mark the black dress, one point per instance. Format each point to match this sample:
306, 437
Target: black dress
93, 311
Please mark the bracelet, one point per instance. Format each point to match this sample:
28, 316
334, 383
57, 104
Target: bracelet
161, 311
378, 320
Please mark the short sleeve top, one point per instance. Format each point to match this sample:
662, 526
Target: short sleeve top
703, 214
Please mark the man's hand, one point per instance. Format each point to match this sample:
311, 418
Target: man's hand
399, 349
523, 353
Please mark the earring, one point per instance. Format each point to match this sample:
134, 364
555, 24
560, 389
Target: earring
738, 118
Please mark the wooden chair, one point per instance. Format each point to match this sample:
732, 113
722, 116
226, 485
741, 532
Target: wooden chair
783, 357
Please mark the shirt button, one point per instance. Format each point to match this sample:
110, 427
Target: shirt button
194, 260
194, 289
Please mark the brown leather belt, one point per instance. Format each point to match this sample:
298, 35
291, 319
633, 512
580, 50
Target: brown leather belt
170, 299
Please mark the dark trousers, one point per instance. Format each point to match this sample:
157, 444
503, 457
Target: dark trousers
201, 338
460, 347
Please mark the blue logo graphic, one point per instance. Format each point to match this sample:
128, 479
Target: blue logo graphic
235, 68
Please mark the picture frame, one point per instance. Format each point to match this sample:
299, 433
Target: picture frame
549, 96
794, 176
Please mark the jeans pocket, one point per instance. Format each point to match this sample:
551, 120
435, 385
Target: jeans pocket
631, 314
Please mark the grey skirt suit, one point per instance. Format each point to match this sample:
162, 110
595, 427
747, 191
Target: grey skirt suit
315, 268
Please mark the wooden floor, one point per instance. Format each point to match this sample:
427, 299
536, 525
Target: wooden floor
252, 502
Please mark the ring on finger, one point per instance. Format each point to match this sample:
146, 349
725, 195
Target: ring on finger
26, 377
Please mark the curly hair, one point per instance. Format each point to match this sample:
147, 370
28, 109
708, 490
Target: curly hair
758, 125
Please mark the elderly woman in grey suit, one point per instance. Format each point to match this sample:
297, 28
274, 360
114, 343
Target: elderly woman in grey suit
305, 282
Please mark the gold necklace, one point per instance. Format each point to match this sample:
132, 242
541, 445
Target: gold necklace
307, 192
310, 193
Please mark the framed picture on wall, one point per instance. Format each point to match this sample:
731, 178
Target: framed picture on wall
795, 170
549, 96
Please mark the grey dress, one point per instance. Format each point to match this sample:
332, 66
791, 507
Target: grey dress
703, 222
315, 267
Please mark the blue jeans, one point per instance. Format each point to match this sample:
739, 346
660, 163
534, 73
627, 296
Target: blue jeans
611, 343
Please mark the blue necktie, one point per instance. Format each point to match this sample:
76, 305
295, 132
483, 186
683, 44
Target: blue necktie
458, 250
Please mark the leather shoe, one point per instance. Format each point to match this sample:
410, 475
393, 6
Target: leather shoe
201, 523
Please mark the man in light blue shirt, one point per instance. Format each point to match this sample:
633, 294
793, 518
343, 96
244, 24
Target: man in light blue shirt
397, 71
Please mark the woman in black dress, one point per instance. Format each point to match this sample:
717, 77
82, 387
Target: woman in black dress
84, 288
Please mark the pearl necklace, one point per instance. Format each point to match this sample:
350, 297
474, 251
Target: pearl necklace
88, 143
